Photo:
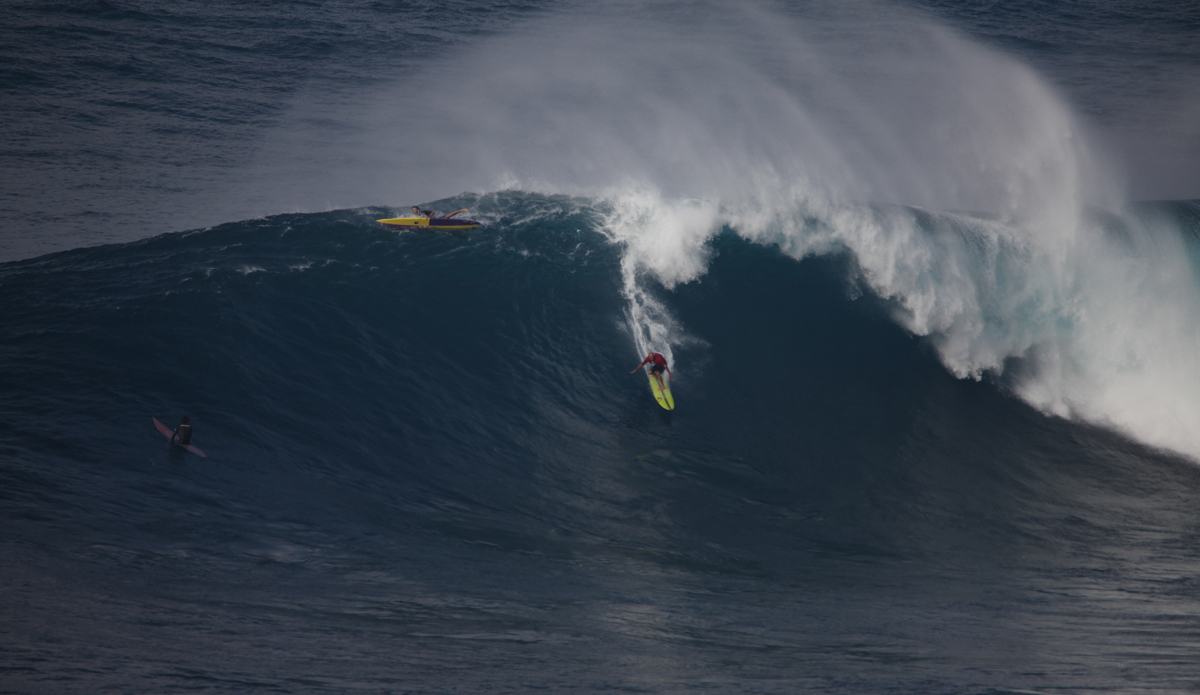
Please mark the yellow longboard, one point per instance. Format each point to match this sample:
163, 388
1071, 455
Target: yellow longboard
662, 394
443, 223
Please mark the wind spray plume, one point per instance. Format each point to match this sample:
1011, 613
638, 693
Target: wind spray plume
743, 103
956, 177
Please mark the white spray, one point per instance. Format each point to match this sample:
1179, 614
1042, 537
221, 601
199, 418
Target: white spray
690, 116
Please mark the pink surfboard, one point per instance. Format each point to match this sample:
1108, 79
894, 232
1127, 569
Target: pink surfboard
171, 433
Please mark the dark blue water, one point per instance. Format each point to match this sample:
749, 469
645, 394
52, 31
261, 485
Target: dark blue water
917, 449
429, 468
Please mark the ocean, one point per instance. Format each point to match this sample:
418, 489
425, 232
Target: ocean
925, 274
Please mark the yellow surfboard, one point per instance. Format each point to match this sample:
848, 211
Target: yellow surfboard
662, 394
443, 223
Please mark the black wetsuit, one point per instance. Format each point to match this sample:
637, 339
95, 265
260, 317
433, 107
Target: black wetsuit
184, 432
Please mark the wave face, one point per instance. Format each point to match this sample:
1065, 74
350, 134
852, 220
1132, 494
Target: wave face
427, 457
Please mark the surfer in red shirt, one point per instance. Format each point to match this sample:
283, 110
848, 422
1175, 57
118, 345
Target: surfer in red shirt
657, 364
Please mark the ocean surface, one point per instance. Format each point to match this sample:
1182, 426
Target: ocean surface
925, 274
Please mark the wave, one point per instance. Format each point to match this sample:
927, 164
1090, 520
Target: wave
968, 192
1093, 324
478, 384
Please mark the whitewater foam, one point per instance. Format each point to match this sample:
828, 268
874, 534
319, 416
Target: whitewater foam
957, 178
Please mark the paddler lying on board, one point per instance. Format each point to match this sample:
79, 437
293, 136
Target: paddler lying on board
431, 214
657, 364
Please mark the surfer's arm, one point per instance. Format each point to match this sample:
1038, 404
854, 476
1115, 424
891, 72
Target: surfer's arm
640, 365
456, 212
175, 435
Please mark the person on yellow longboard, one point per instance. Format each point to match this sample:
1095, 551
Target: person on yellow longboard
657, 364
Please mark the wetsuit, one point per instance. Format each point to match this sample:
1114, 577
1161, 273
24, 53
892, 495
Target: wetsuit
184, 433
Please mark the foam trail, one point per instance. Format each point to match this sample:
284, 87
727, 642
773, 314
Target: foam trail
675, 251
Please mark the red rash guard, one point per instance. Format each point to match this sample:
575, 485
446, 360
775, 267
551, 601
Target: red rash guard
655, 358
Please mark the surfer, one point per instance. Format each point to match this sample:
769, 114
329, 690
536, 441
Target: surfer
657, 364
184, 432
431, 214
